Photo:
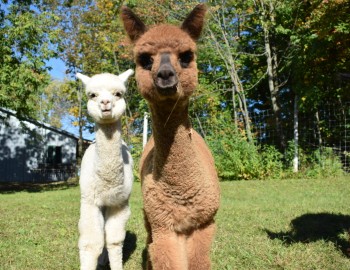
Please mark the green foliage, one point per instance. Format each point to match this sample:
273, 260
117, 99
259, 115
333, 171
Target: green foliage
322, 162
271, 161
135, 146
321, 42
27, 41
237, 159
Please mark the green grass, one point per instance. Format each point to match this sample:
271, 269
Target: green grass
289, 224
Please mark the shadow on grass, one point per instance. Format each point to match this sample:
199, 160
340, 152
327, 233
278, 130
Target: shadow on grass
313, 227
129, 245
128, 249
8, 188
144, 258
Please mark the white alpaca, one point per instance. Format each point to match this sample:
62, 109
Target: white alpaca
106, 173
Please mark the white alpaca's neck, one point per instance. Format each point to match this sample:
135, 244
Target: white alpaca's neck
109, 161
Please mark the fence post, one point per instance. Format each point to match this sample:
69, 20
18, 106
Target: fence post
145, 130
296, 136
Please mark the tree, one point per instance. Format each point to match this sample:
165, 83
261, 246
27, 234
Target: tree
27, 41
55, 104
323, 42
89, 45
266, 10
224, 33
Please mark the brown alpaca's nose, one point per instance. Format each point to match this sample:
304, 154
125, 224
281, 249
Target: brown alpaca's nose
166, 79
165, 73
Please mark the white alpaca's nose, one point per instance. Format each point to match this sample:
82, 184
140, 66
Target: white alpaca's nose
105, 101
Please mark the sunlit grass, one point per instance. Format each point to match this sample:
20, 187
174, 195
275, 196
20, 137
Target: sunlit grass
289, 224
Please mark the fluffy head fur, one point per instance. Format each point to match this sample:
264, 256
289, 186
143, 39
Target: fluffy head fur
105, 92
165, 47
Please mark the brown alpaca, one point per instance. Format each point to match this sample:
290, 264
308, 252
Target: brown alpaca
179, 183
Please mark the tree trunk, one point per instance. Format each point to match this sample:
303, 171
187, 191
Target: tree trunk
318, 129
200, 126
235, 118
225, 53
267, 21
238, 88
319, 137
274, 89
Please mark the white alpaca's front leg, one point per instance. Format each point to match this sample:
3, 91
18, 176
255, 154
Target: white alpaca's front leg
91, 240
116, 219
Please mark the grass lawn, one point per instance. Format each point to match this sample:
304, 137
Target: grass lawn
289, 224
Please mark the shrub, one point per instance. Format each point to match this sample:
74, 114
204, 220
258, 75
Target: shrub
271, 160
322, 162
238, 159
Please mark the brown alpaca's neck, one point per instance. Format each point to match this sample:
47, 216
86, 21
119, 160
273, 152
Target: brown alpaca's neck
109, 162
174, 154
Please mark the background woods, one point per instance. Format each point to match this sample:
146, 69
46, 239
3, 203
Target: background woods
274, 76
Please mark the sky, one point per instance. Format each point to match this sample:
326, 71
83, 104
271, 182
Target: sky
58, 70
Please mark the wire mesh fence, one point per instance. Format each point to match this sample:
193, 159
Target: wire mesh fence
326, 129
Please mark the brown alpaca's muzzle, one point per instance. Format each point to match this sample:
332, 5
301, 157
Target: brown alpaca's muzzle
166, 79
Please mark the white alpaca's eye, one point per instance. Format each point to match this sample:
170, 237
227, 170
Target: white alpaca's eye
92, 95
118, 94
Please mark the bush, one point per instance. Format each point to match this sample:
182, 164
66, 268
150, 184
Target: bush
271, 160
135, 147
238, 159
322, 162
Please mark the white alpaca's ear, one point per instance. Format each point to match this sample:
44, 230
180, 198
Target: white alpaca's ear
125, 75
85, 79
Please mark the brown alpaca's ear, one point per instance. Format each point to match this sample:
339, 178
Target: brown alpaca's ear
132, 24
194, 22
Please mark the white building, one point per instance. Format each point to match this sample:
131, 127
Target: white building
31, 151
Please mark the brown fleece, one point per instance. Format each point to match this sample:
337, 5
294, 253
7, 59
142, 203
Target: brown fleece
179, 183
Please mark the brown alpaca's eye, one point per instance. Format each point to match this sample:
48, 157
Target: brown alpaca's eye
185, 58
146, 61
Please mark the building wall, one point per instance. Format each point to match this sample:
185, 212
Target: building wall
24, 148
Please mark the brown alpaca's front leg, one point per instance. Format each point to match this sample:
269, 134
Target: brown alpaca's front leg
168, 251
198, 247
